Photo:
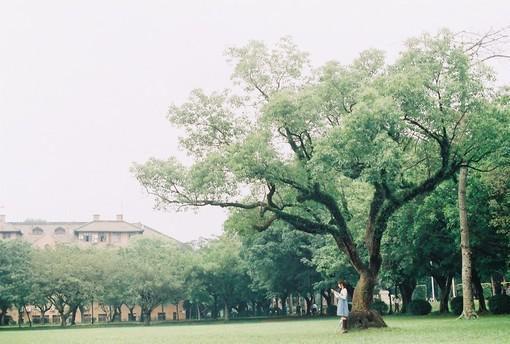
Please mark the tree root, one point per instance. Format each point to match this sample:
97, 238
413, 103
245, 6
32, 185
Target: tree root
365, 319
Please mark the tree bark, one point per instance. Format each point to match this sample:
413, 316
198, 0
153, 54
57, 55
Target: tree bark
74, 309
468, 310
20, 316
28, 316
445, 285
226, 316
482, 307
406, 289
308, 301
361, 315
496, 280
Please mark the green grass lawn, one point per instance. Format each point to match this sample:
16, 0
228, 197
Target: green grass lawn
403, 329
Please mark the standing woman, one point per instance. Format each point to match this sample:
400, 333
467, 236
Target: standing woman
342, 309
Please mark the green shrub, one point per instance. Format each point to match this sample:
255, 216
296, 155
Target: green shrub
419, 293
379, 306
419, 307
499, 304
456, 305
331, 310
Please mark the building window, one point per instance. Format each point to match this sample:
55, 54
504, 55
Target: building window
115, 237
86, 318
161, 316
102, 318
55, 319
103, 237
6, 235
84, 237
60, 231
37, 231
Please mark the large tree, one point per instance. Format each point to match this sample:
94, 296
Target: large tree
298, 146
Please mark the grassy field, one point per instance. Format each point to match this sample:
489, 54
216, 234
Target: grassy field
430, 329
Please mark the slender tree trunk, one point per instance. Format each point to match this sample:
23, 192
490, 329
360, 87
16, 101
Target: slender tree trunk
468, 311
284, 304
496, 280
43, 313
361, 315
445, 285
390, 311
406, 289
131, 313
215, 307
3, 314
226, 316
73, 315
20, 316
147, 316
308, 301
28, 316
482, 307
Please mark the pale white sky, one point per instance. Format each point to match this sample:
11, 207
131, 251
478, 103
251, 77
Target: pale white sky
85, 86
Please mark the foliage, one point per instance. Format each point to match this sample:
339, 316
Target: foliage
331, 310
420, 307
314, 152
380, 306
499, 304
457, 305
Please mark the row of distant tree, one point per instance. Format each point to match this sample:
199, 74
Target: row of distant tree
255, 273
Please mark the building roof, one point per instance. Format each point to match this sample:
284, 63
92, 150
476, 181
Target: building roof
10, 230
109, 226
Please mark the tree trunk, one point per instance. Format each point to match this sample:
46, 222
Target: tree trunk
131, 313
43, 313
147, 316
496, 280
482, 307
445, 285
215, 308
390, 311
284, 304
20, 316
226, 316
468, 310
28, 316
361, 315
308, 301
73, 315
406, 289
177, 309
445, 295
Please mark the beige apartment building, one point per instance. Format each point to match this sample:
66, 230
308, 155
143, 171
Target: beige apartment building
97, 232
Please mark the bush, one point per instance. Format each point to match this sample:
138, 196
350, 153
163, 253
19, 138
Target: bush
331, 310
419, 307
456, 304
499, 304
419, 293
379, 306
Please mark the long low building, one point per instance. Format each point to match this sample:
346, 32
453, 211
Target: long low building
98, 232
